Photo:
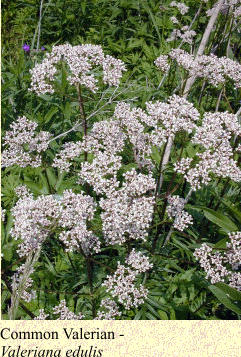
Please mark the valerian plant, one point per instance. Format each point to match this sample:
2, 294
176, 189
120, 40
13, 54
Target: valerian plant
117, 209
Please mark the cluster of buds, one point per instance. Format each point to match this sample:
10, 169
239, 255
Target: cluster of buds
222, 266
62, 310
35, 220
175, 209
121, 284
80, 61
214, 135
214, 69
108, 310
22, 283
24, 145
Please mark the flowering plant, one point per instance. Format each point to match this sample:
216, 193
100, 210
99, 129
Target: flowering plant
114, 198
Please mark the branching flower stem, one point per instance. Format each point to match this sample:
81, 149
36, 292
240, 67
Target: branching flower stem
165, 160
39, 23
172, 227
18, 289
8, 285
187, 88
204, 41
78, 123
182, 42
83, 117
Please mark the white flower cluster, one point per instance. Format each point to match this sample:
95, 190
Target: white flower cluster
217, 265
174, 20
138, 261
101, 173
35, 220
143, 130
70, 151
214, 135
175, 115
126, 213
212, 68
104, 141
62, 310
42, 315
217, 128
133, 123
233, 255
109, 310
23, 192
181, 7
23, 144
184, 33
162, 120
121, 284
162, 63
237, 12
3, 214
106, 136
175, 209
75, 211
65, 313
80, 61
229, 7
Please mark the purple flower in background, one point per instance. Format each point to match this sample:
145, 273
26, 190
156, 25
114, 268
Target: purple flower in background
43, 48
26, 47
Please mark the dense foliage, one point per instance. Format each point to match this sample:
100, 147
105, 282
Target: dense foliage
121, 161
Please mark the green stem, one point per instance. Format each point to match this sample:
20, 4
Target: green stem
83, 116
90, 281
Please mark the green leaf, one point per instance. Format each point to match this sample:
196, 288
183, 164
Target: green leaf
9, 226
51, 176
233, 293
221, 243
150, 316
7, 251
234, 210
155, 155
172, 314
50, 114
146, 7
152, 310
218, 218
138, 315
223, 298
163, 315
154, 303
67, 110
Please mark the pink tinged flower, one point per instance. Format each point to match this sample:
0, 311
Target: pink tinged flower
64, 313
138, 261
42, 315
162, 63
34, 221
222, 266
108, 310
214, 69
175, 209
81, 61
122, 285
23, 145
